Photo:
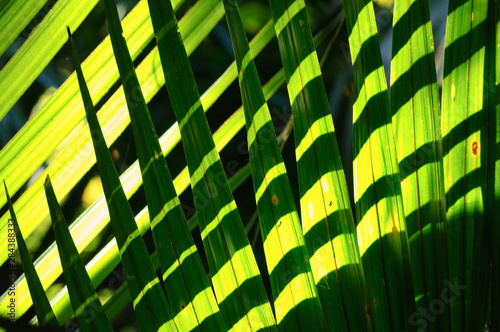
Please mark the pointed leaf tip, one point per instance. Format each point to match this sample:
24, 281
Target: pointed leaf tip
69, 32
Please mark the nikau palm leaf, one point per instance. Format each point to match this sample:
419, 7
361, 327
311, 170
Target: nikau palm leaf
421, 252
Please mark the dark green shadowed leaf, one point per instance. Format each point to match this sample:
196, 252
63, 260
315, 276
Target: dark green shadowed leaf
235, 275
415, 109
382, 235
190, 296
150, 304
41, 303
494, 168
464, 131
296, 300
88, 310
327, 219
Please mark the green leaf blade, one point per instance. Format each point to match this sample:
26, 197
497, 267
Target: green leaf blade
96, 217
149, 300
14, 17
415, 109
235, 276
39, 49
465, 130
88, 310
183, 275
296, 300
382, 235
327, 220
41, 303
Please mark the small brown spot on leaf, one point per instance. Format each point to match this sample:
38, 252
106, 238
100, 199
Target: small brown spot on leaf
307, 258
58, 215
182, 306
375, 302
275, 199
475, 146
368, 310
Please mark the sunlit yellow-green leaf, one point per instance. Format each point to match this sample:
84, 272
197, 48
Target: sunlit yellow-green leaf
327, 219
235, 276
464, 130
415, 116
296, 301
382, 235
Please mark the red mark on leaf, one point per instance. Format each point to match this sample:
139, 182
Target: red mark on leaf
475, 147
275, 200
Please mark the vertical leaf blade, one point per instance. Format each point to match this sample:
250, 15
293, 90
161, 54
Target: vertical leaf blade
382, 235
296, 300
327, 220
494, 171
415, 117
188, 291
464, 130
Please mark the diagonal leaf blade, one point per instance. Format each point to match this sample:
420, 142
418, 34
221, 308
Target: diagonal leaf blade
150, 304
86, 305
41, 304
187, 288
235, 276
45, 41
14, 17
